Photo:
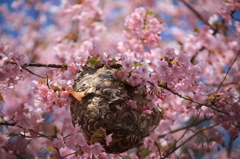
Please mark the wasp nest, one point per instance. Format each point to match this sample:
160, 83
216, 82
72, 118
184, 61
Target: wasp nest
103, 110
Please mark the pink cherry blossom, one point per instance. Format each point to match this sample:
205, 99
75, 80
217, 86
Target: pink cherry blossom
170, 53
132, 104
163, 68
58, 142
96, 148
181, 57
108, 139
127, 65
135, 79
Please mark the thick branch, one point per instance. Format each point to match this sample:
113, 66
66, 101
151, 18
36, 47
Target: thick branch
230, 146
44, 65
24, 66
8, 124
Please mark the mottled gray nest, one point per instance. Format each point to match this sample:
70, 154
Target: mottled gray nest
104, 110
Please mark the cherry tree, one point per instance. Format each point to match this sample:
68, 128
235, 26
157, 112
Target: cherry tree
174, 64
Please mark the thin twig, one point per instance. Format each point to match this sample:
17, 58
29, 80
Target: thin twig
190, 99
177, 147
32, 72
120, 156
30, 130
196, 54
69, 154
224, 84
40, 135
47, 82
186, 130
185, 127
228, 71
159, 150
25, 136
17, 155
195, 12
234, 17
199, 16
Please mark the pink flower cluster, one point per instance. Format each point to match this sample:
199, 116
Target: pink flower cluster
82, 32
72, 141
48, 98
132, 104
10, 66
185, 74
134, 73
227, 9
143, 32
230, 122
177, 71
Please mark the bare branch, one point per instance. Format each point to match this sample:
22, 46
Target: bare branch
120, 156
16, 154
177, 147
44, 65
228, 71
198, 15
24, 66
39, 134
69, 154
230, 146
234, 17
194, 11
185, 127
33, 73
58, 152
8, 124
190, 99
